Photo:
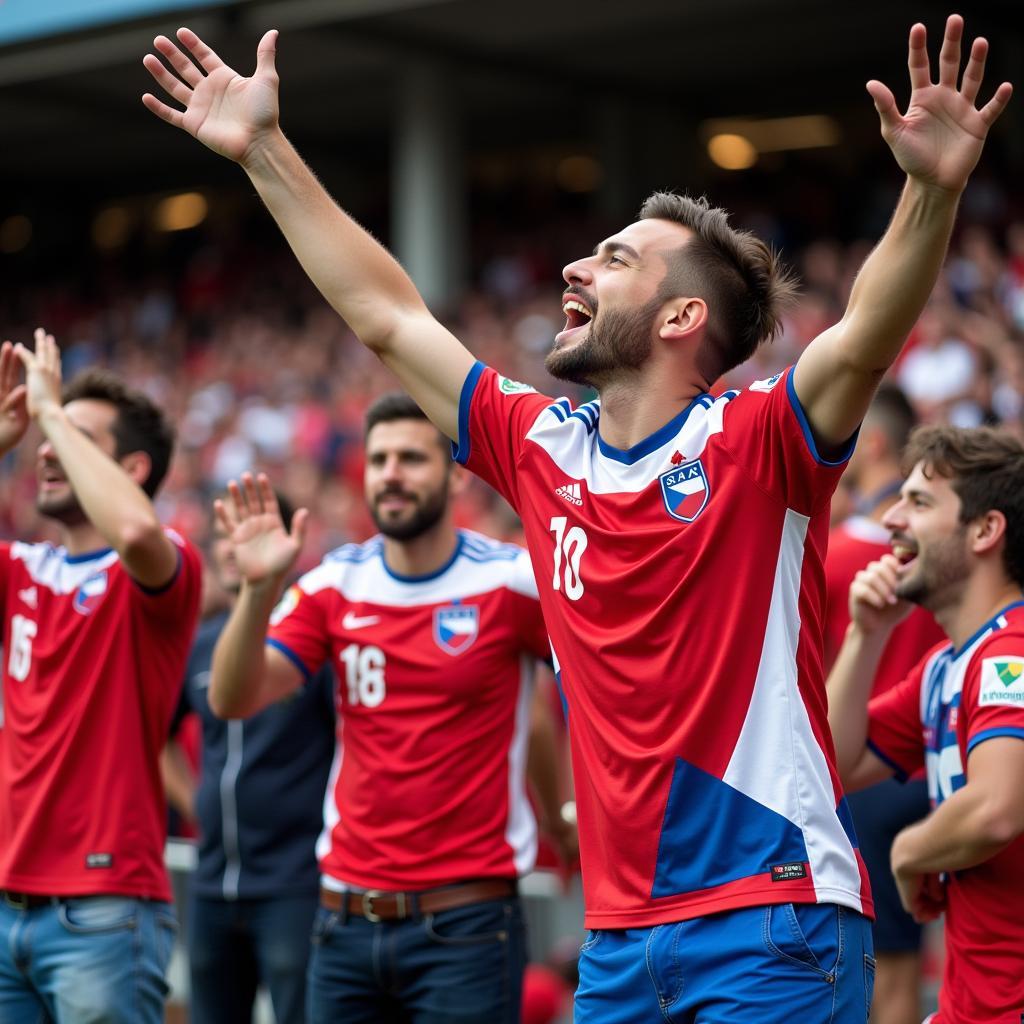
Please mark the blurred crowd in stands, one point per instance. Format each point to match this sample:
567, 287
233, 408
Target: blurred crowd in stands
258, 372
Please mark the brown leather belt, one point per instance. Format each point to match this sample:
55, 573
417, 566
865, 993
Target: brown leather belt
378, 905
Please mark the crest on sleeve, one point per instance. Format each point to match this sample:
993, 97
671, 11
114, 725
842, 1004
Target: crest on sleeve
685, 490
90, 593
1002, 682
513, 387
456, 627
288, 603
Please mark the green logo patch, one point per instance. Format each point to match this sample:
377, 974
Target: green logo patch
513, 387
1009, 671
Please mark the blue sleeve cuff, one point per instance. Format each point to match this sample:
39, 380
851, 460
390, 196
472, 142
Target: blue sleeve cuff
461, 448
991, 734
901, 775
805, 426
292, 657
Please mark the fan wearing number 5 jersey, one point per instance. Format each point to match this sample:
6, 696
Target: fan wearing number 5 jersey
433, 634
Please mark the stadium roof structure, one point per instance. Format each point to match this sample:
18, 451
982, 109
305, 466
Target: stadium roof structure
525, 73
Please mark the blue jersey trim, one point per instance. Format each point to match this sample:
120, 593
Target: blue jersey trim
900, 774
292, 657
990, 624
632, 455
164, 587
87, 557
991, 734
801, 416
461, 448
426, 576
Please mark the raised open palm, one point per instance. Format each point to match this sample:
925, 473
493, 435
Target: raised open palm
264, 550
223, 110
14, 417
940, 138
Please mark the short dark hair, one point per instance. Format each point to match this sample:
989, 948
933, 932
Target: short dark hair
739, 276
396, 405
891, 412
140, 426
985, 467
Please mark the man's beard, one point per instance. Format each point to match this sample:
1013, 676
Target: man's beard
617, 341
66, 510
935, 581
427, 513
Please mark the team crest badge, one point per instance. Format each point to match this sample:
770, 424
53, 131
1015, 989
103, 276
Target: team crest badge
456, 627
90, 593
685, 490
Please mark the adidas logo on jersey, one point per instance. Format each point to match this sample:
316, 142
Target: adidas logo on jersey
571, 493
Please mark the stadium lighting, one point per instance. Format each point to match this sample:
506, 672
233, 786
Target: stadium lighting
15, 233
732, 152
180, 212
111, 227
776, 134
579, 173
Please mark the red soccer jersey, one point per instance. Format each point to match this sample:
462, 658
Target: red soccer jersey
92, 668
952, 701
682, 586
851, 546
428, 782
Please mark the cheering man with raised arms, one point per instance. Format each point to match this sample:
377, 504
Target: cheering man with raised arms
721, 873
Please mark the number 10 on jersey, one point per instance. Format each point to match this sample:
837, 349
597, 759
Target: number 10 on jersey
569, 547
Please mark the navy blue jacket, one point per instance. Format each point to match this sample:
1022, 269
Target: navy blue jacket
261, 792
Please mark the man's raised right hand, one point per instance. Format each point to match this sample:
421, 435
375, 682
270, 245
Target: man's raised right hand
226, 112
264, 550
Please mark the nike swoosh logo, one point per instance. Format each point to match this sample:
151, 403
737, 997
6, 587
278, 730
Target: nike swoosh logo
352, 621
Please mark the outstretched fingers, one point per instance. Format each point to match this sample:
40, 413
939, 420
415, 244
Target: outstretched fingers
173, 86
267, 496
300, 521
224, 513
174, 56
252, 495
917, 58
995, 106
949, 55
885, 104
206, 57
975, 70
266, 53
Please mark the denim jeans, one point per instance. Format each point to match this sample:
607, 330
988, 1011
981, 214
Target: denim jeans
88, 960
461, 966
236, 944
802, 963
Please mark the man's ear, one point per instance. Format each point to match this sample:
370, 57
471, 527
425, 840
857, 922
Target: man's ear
137, 465
682, 318
987, 531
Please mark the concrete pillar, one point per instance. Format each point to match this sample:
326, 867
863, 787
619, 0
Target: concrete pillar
428, 188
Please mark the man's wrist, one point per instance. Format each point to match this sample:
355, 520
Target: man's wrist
50, 415
265, 156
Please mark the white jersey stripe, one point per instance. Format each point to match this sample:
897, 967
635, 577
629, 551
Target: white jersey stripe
521, 828
792, 778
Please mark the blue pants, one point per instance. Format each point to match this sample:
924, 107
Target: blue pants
461, 966
91, 960
236, 944
783, 964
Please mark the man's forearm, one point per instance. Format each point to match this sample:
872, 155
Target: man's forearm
112, 501
239, 659
955, 836
353, 271
898, 277
849, 687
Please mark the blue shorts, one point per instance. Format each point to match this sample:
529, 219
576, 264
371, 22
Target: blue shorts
879, 813
801, 963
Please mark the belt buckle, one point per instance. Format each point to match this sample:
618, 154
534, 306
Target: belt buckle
16, 900
367, 898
